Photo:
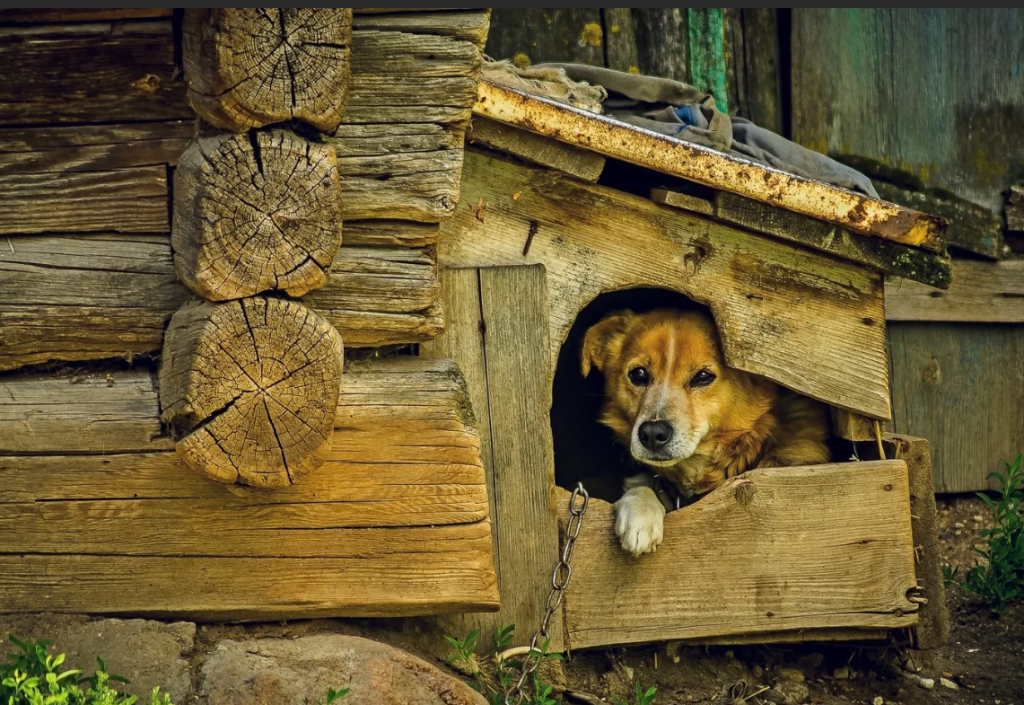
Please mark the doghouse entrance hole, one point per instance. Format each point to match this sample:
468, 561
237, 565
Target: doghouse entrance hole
585, 450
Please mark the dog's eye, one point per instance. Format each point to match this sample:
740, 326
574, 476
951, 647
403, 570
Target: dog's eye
639, 376
702, 378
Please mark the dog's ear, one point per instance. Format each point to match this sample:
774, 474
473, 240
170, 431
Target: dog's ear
604, 340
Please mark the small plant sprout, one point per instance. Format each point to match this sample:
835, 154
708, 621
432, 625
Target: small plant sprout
640, 696
505, 671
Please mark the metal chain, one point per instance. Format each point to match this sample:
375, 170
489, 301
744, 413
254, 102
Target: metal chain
559, 582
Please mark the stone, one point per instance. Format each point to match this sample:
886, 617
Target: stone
812, 660
149, 654
299, 672
841, 674
787, 693
879, 700
790, 674
926, 683
946, 683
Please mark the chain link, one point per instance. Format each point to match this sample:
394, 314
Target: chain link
559, 582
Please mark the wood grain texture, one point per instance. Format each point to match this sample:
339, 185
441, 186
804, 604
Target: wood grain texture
762, 562
133, 200
885, 256
621, 50
762, 81
535, 149
250, 67
84, 297
519, 399
855, 71
535, 35
981, 292
250, 388
663, 42
90, 72
82, 14
407, 185
961, 386
852, 427
87, 412
255, 213
812, 324
468, 25
92, 147
390, 528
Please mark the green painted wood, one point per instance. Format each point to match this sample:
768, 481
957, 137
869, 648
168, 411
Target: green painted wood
961, 386
937, 93
706, 32
534, 35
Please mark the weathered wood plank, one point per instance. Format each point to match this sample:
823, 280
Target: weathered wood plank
109, 295
883, 255
709, 167
663, 42
90, 72
536, 149
385, 528
971, 227
853, 427
131, 200
465, 25
621, 50
535, 35
981, 292
764, 562
519, 398
762, 82
812, 324
960, 385
856, 71
83, 14
92, 147
88, 412
406, 185
677, 199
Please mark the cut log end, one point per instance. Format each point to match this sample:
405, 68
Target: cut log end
252, 67
255, 213
251, 387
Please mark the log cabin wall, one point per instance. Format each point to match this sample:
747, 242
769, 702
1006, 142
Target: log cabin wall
94, 122
928, 103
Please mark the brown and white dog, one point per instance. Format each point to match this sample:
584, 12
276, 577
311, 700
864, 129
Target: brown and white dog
695, 422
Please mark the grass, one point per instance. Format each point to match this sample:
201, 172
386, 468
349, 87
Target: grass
998, 579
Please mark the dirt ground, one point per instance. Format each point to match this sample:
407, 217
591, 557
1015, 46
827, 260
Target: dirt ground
984, 658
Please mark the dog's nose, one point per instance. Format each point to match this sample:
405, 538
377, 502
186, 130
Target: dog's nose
655, 434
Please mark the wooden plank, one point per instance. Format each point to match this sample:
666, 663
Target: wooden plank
798, 636
781, 549
932, 631
960, 385
971, 227
407, 185
852, 427
621, 51
92, 147
762, 81
813, 324
131, 200
535, 35
706, 29
677, 199
393, 233
519, 399
109, 295
883, 255
83, 14
88, 412
386, 528
709, 167
90, 72
535, 149
856, 71
981, 292
466, 25
663, 42
84, 297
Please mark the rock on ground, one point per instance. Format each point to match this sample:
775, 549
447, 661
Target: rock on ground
299, 672
147, 653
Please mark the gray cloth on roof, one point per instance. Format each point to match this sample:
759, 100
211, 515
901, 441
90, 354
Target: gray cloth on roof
680, 110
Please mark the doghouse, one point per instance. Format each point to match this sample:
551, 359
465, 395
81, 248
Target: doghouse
325, 199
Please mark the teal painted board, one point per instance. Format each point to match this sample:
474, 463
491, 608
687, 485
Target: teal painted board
706, 28
961, 386
937, 93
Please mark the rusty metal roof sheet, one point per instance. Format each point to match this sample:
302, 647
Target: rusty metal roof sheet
613, 138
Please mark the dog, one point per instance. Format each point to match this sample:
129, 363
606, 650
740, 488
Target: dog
687, 417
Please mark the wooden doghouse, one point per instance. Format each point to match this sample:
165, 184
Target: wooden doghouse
793, 272
316, 205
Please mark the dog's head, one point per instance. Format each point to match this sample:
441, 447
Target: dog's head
666, 383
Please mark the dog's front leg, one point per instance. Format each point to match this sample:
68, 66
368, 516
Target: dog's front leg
639, 516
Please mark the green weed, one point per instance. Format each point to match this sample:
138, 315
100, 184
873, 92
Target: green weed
640, 696
505, 672
999, 578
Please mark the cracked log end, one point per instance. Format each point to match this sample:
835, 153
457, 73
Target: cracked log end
250, 388
252, 67
255, 213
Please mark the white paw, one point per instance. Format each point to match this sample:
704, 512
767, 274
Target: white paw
639, 520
